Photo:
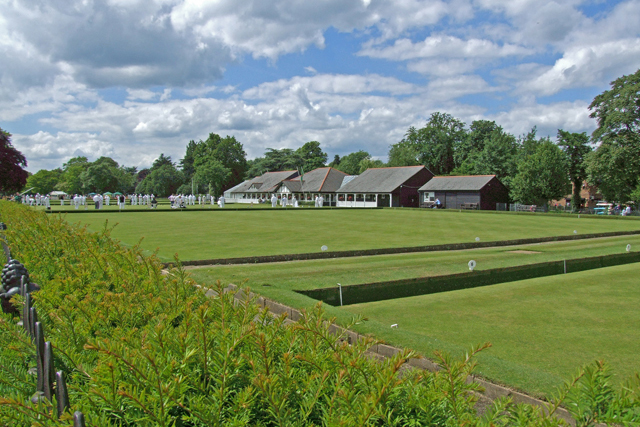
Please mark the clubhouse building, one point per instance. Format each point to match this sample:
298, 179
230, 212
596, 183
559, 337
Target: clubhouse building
408, 186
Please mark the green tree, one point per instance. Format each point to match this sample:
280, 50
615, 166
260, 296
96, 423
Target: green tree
369, 164
541, 176
13, 176
335, 162
350, 164
227, 151
127, 178
467, 153
405, 152
44, 181
438, 141
576, 147
108, 161
312, 156
161, 181
162, 161
100, 177
255, 167
71, 181
498, 157
213, 173
275, 160
615, 164
186, 163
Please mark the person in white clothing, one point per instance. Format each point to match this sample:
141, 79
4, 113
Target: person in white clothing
320, 201
76, 201
294, 201
274, 201
285, 201
222, 201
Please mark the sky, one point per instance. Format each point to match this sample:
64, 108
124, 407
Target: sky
131, 79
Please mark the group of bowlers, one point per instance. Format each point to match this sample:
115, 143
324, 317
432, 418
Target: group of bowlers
134, 199
284, 201
179, 201
37, 200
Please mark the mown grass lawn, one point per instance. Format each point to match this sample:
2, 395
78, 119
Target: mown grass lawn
225, 234
542, 330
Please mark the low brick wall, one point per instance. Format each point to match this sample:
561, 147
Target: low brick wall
378, 291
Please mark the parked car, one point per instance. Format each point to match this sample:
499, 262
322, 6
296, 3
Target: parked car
603, 208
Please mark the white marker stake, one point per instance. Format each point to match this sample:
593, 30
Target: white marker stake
340, 290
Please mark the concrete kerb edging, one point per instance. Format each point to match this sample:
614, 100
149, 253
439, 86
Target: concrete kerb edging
401, 250
383, 351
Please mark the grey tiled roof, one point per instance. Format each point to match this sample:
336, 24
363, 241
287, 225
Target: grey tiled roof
457, 183
380, 180
266, 182
236, 187
321, 180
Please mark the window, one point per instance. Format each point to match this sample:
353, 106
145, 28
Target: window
369, 197
429, 197
341, 197
359, 197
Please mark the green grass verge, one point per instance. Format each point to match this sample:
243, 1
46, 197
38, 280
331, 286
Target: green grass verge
227, 234
542, 329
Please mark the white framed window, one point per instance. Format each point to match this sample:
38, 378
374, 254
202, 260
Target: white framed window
429, 196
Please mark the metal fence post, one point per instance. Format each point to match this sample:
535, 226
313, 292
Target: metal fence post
78, 419
48, 371
62, 395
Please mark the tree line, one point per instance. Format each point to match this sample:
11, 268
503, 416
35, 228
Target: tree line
535, 169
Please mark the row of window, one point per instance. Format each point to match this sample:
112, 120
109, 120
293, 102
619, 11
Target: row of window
326, 197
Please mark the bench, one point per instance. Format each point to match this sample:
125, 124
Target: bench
468, 206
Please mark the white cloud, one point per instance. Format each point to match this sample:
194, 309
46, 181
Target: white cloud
45, 148
449, 88
587, 66
141, 94
444, 46
336, 84
570, 116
